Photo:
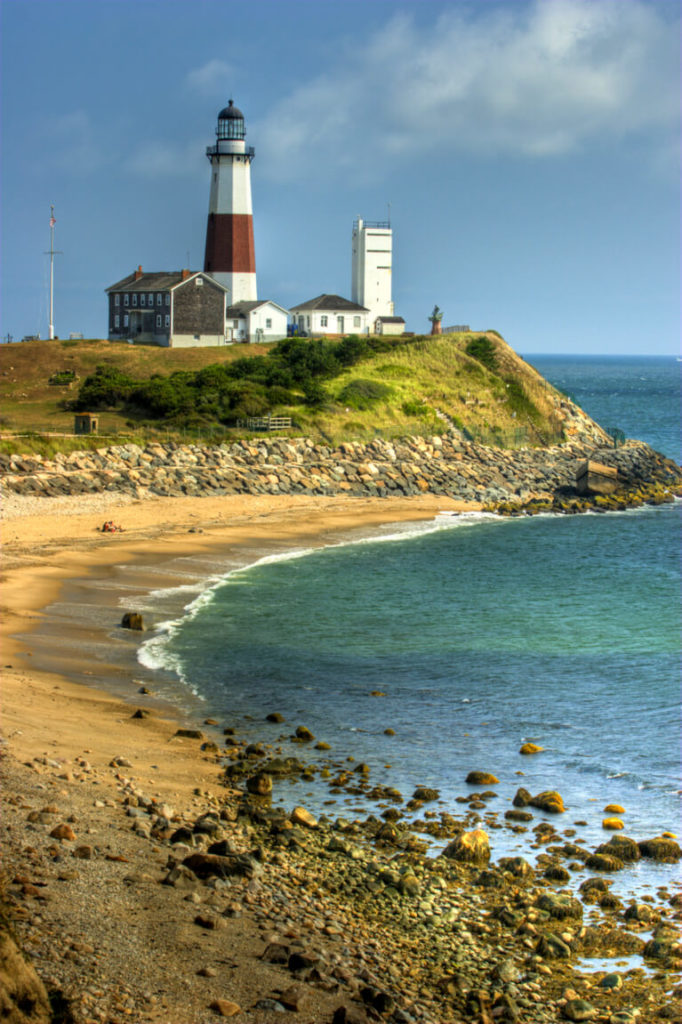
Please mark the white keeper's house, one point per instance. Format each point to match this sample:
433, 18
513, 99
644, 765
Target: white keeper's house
330, 315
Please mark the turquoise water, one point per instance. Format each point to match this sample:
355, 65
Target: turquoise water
482, 633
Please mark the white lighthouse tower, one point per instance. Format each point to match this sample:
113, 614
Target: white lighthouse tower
230, 255
372, 267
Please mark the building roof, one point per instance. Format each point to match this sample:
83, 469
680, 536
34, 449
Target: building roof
159, 281
242, 308
391, 319
331, 302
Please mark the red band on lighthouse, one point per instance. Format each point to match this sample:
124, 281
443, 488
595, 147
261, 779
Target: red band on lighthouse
229, 244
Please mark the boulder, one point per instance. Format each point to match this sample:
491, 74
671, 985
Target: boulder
299, 816
661, 849
560, 907
469, 848
481, 779
210, 865
522, 798
622, 847
530, 748
614, 824
132, 620
603, 862
425, 794
549, 801
518, 867
260, 784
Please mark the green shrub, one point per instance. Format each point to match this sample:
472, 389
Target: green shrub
363, 394
415, 408
62, 377
105, 388
482, 349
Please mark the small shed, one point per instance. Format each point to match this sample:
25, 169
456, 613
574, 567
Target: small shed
85, 423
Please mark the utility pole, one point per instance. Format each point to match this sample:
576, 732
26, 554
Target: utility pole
52, 252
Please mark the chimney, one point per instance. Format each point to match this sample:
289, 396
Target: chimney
138, 273
185, 274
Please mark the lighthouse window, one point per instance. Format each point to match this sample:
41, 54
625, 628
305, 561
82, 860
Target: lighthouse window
125, 319
324, 320
150, 299
126, 299
159, 298
117, 321
158, 320
134, 298
168, 298
117, 300
268, 323
356, 321
167, 319
143, 299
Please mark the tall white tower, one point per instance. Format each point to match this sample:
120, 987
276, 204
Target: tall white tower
230, 256
372, 266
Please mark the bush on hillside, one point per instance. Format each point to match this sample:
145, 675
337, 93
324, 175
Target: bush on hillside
105, 388
482, 349
363, 394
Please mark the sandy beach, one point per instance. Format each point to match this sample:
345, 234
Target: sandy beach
293, 932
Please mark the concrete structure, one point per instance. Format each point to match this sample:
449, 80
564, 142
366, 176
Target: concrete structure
330, 315
389, 325
256, 322
230, 254
85, 423
176, 309
596, 478
372, 267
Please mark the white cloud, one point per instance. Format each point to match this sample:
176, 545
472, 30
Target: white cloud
211, 79
158, 159
75, 147
536, 80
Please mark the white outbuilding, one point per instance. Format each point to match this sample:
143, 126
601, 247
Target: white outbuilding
256, 322
330, 315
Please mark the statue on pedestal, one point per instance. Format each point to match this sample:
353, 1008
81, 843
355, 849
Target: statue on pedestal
436, 318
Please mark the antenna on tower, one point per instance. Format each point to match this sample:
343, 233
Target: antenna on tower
52, 252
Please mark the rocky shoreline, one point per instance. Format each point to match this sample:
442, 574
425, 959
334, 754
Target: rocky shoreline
444, 465
230, 907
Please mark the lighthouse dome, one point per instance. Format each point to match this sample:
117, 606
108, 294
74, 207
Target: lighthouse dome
231, 123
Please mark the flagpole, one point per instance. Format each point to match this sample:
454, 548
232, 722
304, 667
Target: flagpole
52, 253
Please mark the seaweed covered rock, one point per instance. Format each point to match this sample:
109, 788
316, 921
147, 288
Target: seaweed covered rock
469, 848
549, 801
662, 849
481, 779
622, 847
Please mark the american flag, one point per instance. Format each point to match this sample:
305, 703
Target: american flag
52, 220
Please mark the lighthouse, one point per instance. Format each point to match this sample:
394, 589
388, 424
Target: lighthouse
230, 255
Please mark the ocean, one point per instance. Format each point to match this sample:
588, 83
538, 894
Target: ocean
480, 633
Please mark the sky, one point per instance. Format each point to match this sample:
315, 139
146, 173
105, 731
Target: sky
528, 151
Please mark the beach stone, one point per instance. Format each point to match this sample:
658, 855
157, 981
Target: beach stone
190, 734
549, 801
225, 1007
591, 887
83, 853
579, 1010
661, 849
612, 823
530, 748
557, 873
614, 809
477, 778
260, 784
299, 816
141, 713
208, 865
518, 867
552, 947
515, 814
611, 981
274, 716
304, 734
469, 848
132, 620
180, 877
63, 831
560, 907
640, 912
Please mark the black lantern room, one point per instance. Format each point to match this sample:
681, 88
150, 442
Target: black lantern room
231, 123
